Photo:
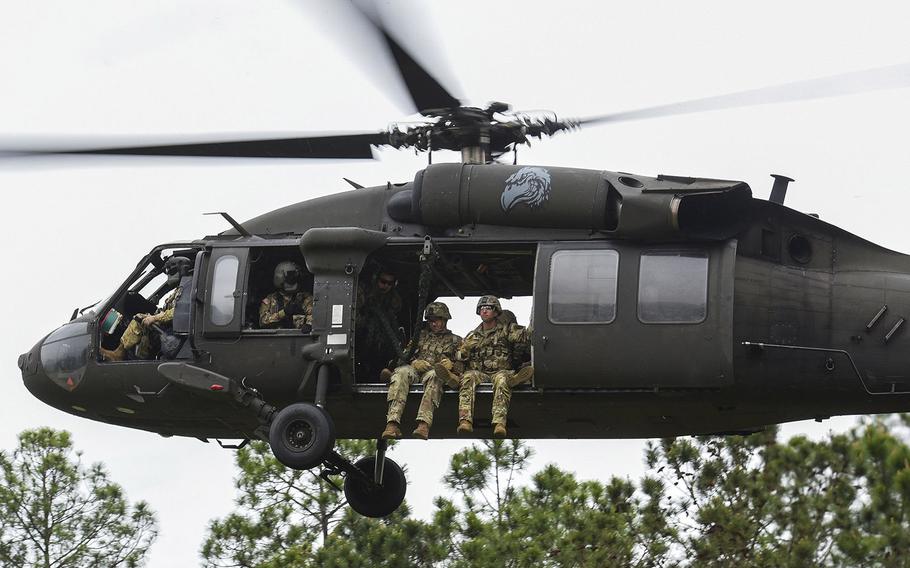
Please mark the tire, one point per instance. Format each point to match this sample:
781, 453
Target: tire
371, 501
301, 435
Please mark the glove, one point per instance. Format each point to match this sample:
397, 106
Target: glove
420, 365
445, 362
291, 310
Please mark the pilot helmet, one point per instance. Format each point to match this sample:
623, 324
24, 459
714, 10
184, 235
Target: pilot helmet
491, 301
176, 268
437, 310
287, 276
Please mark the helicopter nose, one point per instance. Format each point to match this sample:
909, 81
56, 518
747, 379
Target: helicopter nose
33, 374
55, 366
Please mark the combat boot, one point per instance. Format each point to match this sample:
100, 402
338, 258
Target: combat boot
391, 432
523, 375
465, 426
499, 430
385, 375
447, 377
118, 354
422, 431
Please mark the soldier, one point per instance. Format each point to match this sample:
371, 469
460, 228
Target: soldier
521, 356
489, 352
137, 333
287, 307
435, 346
378, 338
382, 295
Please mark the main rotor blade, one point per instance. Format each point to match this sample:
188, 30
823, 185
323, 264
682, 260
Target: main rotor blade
878, 79
426, 92
340, 146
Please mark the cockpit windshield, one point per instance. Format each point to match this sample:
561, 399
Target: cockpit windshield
92, 310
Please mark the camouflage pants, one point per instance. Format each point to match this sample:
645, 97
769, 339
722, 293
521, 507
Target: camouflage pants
135, 335
502, 394
400, 385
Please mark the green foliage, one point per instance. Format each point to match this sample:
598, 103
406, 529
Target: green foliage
281, 512
54, 511
749, 501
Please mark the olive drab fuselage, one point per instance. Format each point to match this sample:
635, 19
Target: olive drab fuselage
661, 306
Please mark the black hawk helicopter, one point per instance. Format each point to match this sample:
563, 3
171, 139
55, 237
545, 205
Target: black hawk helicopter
663, 305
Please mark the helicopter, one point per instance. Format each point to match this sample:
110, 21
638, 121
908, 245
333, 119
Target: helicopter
774, 302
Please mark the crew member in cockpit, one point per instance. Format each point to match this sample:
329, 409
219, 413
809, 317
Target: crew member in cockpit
137, 333
288, 307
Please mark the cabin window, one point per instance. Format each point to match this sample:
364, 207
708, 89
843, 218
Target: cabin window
224, 283
583, 286
673, 287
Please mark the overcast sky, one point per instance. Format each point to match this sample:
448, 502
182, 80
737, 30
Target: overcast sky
75, 228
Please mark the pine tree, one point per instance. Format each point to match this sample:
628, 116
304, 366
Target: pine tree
56, 512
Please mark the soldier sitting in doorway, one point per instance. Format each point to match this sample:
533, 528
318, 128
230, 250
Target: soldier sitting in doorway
288, 306
435, 345
378, 337
489, 352
139, 332
522, 355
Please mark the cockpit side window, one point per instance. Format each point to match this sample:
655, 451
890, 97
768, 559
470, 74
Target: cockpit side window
223, 287
138, 323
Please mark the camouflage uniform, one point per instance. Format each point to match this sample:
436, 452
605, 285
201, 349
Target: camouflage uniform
388, 303
138, 334
377, 337
489, 356
432, 348
271, 310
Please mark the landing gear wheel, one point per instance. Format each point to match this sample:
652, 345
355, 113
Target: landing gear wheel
372, 500
301, 435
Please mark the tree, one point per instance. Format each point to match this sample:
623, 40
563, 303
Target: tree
844, 501
282, 512
55, 512
750, 501
554, 521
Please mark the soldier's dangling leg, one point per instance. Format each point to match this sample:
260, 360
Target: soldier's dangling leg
399, 385
469, 382
502, 395
432, 396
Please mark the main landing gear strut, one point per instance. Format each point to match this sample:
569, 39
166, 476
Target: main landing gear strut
302, 436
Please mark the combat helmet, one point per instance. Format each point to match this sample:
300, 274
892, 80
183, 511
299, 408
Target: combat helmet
176, 268
437, 310
491, 301
287, 276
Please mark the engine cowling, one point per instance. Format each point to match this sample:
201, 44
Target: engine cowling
622, 205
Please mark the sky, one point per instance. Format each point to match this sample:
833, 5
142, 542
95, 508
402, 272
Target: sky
74, 228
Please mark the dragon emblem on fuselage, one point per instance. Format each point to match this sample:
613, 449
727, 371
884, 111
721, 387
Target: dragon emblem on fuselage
528, 185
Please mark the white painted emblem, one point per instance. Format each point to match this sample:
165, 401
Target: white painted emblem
528, 185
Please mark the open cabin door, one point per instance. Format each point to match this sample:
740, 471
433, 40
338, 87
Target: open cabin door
621, 316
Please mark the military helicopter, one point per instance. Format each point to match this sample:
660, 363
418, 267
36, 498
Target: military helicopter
764, 304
